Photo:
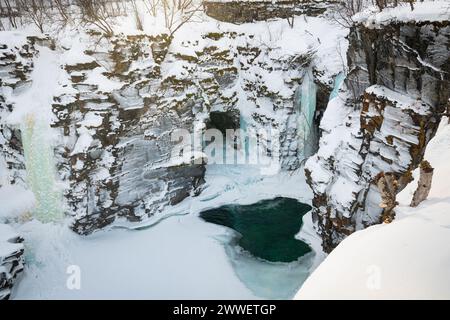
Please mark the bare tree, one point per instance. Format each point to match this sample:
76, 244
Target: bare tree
344, 13
290, 21
63, 10
178, 12
381, 4
152, 6
10, 11
424, 186
35, 11
137, 16
98, 13
388, 187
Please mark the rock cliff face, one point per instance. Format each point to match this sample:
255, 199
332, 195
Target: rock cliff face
124, 96
397, 86
16, 63
121, 163
242, 11
109, 154
11, 259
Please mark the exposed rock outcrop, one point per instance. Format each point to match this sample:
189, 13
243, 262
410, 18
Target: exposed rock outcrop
248, 11
11, 259
424, 184
397, 87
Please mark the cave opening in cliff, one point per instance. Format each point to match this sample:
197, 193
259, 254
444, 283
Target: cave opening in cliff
223, 120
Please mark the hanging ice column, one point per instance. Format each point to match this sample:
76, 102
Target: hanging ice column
305, 110
41, 171
337, 85
33, 114
245, 143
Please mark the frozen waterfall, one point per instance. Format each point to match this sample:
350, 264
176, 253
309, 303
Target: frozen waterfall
305, 108
337, 85
33, 115
41, 170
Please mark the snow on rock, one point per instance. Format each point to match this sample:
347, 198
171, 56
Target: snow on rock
91, 119
424, 11
15, 70
407, 259
401, 101
385, 136
15, 202
11, 259
84, 141
97, 77
380, 122
117, 101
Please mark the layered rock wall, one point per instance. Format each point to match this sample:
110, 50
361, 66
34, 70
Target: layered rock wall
396, 90
122, 98
249, 11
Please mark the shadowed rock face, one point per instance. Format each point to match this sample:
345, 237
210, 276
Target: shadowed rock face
399, 83
223, 121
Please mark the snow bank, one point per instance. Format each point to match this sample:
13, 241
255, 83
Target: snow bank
6, 245
15, 201
407, 259
423, 11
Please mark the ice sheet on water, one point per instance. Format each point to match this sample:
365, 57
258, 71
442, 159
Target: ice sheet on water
269, 280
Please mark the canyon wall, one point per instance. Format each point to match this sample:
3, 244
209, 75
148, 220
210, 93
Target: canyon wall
396, 89
122, 97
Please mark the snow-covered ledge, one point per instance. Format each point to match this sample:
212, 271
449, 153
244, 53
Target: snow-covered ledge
436, 11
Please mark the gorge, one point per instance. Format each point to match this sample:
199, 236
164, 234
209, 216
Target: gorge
86, 140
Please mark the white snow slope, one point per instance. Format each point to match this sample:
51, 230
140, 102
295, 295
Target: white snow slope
407, 259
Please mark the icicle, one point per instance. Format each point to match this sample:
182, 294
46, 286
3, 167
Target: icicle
337, 85
244, 138
306, 108
41, 171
